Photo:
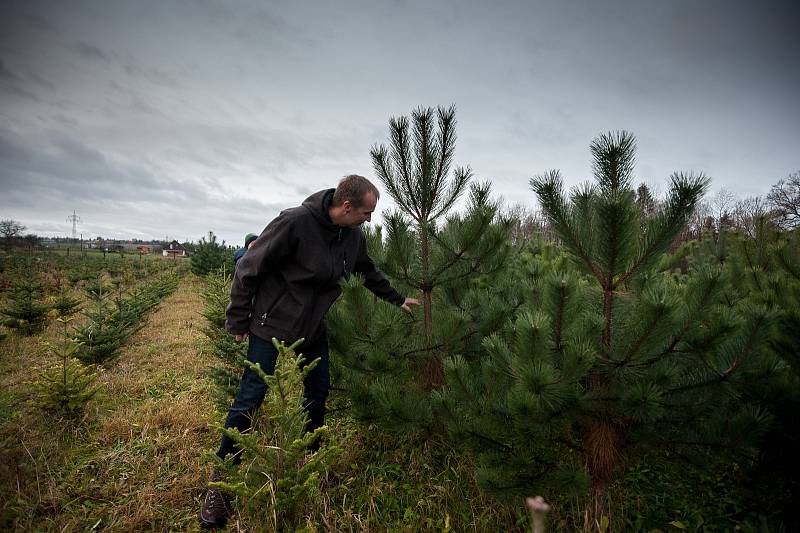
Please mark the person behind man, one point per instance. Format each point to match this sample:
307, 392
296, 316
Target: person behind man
283, 287
248, 240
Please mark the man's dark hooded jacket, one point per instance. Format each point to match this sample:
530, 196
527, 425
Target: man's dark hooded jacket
291, 275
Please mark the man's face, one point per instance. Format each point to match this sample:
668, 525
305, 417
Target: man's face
355, 216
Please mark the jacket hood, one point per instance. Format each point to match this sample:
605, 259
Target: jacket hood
318, 203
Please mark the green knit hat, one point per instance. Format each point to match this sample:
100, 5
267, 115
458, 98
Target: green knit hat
250, 237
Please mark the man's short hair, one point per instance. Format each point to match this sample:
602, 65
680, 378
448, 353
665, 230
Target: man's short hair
353, 188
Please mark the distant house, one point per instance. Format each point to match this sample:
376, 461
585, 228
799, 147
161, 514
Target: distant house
174, 249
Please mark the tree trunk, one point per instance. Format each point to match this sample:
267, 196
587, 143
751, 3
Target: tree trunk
427, 288
604, 442
432, 372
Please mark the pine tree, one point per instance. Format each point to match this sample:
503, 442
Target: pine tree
209, 255
415, 172
277, 475
766, 267
384, 359
422, 253
388, 362
609, 356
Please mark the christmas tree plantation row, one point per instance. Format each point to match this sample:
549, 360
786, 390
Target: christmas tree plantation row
108, 295
129, 459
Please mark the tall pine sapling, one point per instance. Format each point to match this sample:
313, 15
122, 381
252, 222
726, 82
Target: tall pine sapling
424, 254
612, 357
415, 170
389, 364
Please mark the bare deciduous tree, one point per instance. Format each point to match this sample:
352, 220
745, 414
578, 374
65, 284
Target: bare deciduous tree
9, 230
784, 199
527, 224
746, 212
721, 204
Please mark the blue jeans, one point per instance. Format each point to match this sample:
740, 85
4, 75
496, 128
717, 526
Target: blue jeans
252, 390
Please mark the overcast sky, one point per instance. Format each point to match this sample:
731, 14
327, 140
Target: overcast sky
155, 119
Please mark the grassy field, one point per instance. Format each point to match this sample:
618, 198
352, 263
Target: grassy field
138, 458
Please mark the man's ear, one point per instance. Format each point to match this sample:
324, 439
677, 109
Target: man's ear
347, 205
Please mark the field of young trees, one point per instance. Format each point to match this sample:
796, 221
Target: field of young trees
632, 360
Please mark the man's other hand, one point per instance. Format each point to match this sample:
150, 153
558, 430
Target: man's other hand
409, 302
240, 338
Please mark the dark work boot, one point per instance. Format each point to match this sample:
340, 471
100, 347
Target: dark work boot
216, 506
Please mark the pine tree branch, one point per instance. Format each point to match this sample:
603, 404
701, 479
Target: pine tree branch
723, 376
399, 132
549, 190
423, 127
787, 265
686, 192
690, 320
424, 349
474, 269
379, 163
750, 267
651, 326
559, 317
446, 151
494, 442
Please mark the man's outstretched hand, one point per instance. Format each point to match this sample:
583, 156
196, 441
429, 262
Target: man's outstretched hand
409, 302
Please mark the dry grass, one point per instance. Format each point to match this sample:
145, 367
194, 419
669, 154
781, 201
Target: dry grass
135, 460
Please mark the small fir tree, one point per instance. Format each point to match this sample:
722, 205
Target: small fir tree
26, 312
105, 331
277, 473
226, 374
110, 324
65, 304
69, 386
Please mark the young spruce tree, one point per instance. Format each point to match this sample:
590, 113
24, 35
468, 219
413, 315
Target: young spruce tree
227, 373
278, 478
26, 312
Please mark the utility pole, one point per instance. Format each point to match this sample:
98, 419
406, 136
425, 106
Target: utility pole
74, 219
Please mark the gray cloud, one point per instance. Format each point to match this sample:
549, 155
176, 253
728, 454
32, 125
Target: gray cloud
153, 118
90, 52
